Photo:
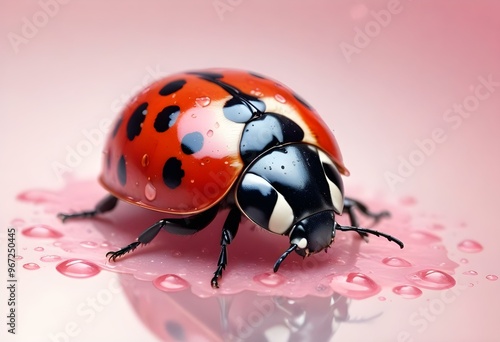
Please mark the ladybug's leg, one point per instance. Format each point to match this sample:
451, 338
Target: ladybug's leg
350, 204
229, 231
184, 226
108, 203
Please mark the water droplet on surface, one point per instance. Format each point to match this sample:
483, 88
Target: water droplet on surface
470, 246
256, 92
145, 160
210, 133
203, 101
432, 279
280, 98
31, 266
170, 283
408, 200
470, 272
396, 262
424, 237
50, 258
407, 291
17, 222
41, 231
176, 253
269, 279
353, 285
492, 277
150, 191
437, 226
37, 196
39, 249
464, 261
18, 257
382, 298
88, 244
78, 268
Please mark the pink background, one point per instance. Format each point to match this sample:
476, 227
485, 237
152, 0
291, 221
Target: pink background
75, 70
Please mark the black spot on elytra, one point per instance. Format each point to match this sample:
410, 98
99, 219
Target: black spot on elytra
172, 87
207, 75
302, 101
173, 173
117, 126
257, 75
122, 171
166, 118
192, 142
134, 125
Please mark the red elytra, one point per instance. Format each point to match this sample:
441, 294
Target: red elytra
173, 150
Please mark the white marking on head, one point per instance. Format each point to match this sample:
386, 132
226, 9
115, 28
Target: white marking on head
336, 195
301, 243
282, 216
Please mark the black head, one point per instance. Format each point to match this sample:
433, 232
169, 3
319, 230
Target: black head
311, 235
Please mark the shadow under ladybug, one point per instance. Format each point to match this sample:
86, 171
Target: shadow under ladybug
282, 169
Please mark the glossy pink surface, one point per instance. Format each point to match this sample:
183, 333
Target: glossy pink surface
411, 90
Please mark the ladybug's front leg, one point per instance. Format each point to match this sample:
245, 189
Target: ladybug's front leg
108, 203
229, 231
350, 204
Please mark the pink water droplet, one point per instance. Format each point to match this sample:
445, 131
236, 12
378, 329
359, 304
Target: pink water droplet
37, 196
432, 279
492, 277
464, 261
18, 257
203, 101
382, 298
41, 231
270, 279
78, 268
89, 244
423, 237
396, 262
50, 258
31, 266
280, 98
170, 283
353, 285
150, 192
407, 291
39, 249
470, 272
470, 246
210, 133
17, 222
408, 200
437, 226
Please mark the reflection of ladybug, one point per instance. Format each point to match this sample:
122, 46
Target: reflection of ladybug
193, 143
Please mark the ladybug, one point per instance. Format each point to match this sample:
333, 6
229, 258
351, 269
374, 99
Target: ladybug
197, 142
